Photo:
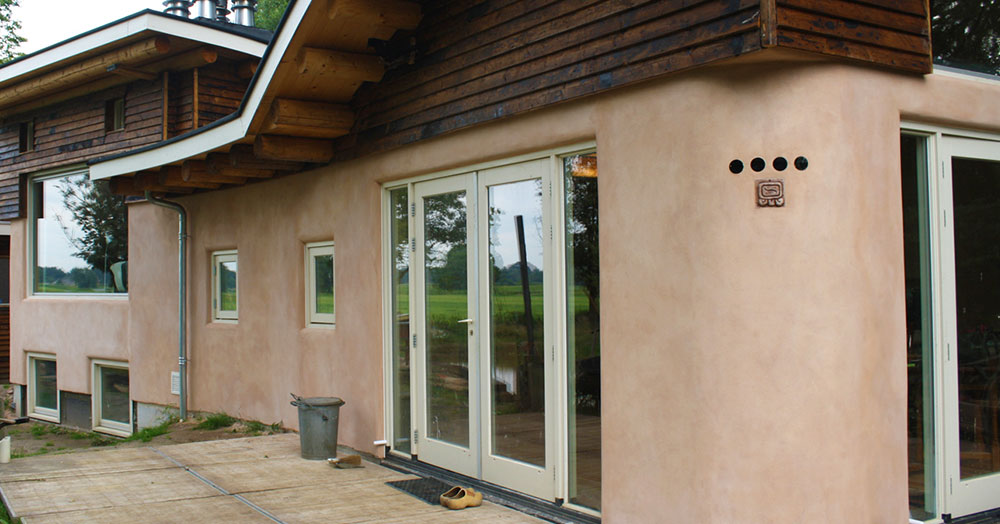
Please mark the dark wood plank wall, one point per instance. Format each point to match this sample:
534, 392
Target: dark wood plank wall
5, 319
220, 91
72, 132
483, 60
181, 103
893, 33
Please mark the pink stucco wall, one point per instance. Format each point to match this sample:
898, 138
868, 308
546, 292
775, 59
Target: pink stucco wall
753, 360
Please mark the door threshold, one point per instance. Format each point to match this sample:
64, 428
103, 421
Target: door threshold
526, 504
987, 517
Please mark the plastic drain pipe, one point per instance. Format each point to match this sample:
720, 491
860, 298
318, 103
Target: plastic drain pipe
181, 294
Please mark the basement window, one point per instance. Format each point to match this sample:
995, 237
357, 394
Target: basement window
321, 304
112, 407
225, 299
43, 395
26, 137
114, 115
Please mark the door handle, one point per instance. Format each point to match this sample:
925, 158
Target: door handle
465, 321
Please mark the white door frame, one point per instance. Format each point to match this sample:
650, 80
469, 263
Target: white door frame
952, 495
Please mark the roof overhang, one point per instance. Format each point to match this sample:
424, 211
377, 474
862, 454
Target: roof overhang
297, 100
130, 27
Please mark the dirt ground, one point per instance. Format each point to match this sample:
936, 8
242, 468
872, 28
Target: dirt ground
38, 438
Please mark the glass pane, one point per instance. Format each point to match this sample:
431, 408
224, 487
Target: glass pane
516, 321
45, 384
976, 194
324, 283
114, 395
920, 414
446, 301
400, 253
966, 34
583, 329
227, 285
81, 236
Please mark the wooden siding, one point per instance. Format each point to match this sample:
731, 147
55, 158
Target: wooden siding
73, 132
220, 91
483, 60
892, 33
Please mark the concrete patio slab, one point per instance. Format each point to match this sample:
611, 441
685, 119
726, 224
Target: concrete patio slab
258, 479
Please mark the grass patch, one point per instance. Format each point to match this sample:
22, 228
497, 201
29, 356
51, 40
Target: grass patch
147, 434
5, 517
255, 426
38, 430
216, 421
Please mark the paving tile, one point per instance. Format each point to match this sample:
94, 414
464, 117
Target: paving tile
219, 508
34, 497
83, 463
234, 450
279, 473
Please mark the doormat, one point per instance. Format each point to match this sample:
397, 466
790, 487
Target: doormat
427, 490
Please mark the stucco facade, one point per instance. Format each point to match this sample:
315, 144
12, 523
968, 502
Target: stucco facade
753, 362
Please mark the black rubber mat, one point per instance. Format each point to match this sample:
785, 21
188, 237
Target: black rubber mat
427, 490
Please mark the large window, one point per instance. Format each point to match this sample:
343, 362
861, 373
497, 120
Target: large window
225, 299
43, 395
112, 407
320, 296
80, 236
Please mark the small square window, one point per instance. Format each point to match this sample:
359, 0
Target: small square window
114, 115
26, 137
112, 405
225, 298
320, 296
43, 394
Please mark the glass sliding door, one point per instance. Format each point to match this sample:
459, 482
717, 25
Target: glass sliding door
583, 329
513, 231
448, 424
919, 327
971, 315
503, 366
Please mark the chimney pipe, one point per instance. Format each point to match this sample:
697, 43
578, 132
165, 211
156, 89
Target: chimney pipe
204, 9
244, 12
221, 10
177, 8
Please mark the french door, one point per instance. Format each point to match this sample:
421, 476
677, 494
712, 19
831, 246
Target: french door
968, 223
484, 372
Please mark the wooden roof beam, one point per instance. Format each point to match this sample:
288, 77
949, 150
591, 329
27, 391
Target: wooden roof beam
328, 65
131, 72
150, 181
84, 71
398, 14
308, 119
241, 156
293, 149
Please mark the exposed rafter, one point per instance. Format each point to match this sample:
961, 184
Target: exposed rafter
293, 149
308, 119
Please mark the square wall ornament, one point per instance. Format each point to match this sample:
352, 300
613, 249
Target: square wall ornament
771, 193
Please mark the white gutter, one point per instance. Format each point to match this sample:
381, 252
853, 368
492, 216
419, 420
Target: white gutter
165, 24
223, 134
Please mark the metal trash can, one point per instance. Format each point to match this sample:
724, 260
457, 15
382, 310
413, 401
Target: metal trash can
318, 419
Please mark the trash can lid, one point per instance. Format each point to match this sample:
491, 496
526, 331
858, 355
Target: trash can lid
322, 401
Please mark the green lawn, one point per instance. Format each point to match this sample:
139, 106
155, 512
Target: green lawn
228, 301
324, 303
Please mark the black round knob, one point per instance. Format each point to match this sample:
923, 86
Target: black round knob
801, 163
780, 163
736, 167
758, 164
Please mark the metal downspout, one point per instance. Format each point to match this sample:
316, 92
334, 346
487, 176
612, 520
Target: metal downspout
181, 294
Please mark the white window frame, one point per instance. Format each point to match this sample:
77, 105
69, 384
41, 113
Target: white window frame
35, 411
33, 236
219, 315
313, 317
98, 423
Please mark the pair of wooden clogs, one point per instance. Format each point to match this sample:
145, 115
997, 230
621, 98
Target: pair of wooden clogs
460, 498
